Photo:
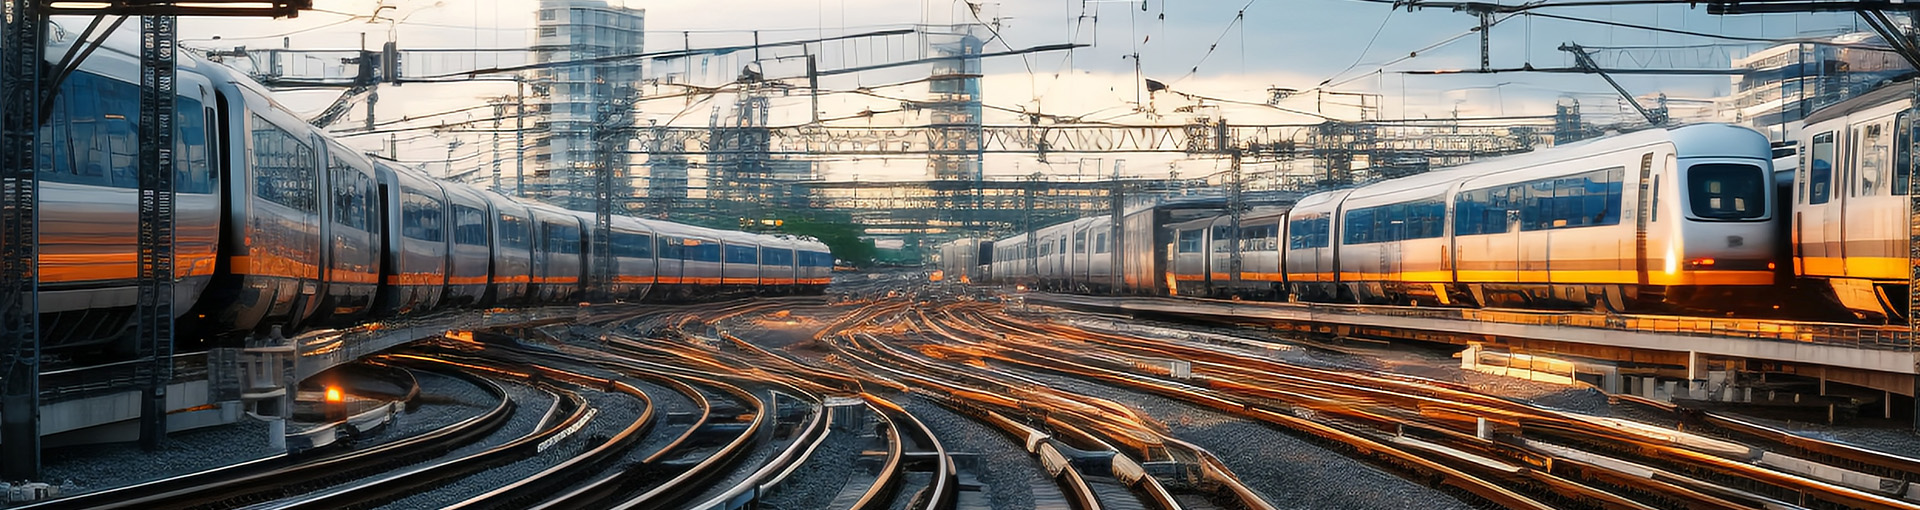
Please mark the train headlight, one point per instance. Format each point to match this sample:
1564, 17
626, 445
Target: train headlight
1706, 263
333, 395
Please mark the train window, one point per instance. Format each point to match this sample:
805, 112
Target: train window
1820, 171
671, 249
1872, 148
421, 217
1902, 154
349, 209
1396, 222
469, 226
283, 167
190, 156
1307, 233
1726, 191
1190, 241
564, 239
773, 257
1222, 237
513, 232
1100, 243
1481, 211
707, 252
1080, 242
742, 255
633, 246
1654, 217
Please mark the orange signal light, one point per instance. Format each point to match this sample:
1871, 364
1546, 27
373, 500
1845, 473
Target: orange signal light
333, 395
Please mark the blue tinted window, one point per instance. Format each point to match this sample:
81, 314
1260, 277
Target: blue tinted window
1820, 169
283, 167
1190, 241
1306, 233
630, 245
1424, 219
742, 255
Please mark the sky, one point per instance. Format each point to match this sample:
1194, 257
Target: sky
1229, 49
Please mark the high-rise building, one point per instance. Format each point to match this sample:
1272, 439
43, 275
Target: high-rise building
574, 102
1786, 82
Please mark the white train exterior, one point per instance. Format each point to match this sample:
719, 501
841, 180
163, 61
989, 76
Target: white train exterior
1850, 206
279, 225
1662, 219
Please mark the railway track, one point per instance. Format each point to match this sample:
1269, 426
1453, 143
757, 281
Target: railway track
289, 475
1587, 462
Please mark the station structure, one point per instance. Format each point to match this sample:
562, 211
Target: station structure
162, 390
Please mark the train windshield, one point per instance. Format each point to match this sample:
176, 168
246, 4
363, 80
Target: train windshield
1727, 191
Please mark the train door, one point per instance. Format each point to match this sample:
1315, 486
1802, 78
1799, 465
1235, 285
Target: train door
1811, 228
1531, 201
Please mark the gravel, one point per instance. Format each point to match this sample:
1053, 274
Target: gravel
531, 406
1287, 471
444, 400
758, 456
832, 469
104, 466
1012, 479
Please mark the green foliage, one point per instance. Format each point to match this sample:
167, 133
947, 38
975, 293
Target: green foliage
842, 237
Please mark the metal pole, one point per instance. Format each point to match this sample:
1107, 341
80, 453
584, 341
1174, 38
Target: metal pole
157, 51
1486, 31
1236, 206
520, 141
499, 110
21, 53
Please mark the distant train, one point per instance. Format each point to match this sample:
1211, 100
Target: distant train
1670, 220
278, 224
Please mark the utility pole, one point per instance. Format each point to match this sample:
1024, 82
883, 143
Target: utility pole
1486, 35
158, 42
21, 55
520, 140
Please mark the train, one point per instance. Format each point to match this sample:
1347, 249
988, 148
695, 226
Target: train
280, 225
1704, 219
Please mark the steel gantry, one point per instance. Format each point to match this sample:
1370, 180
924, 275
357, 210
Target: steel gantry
21, 54
26, 88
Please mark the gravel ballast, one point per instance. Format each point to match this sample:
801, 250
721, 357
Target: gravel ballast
1013, 479
1287, 471
95, 467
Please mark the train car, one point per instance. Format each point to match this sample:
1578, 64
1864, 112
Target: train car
1257, 242
740, 262
351, 257
1078, 256
1011, 265
469, 246
1851, 212
1393, 240
632, 247
559, 255
816, 266
688, 261
512, 250
1188, 273
1570, 227
1098, 276
88, 201
1311, 253
414, 267
777, 266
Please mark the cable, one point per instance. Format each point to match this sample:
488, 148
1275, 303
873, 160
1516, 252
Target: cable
1239, 18
1363, 51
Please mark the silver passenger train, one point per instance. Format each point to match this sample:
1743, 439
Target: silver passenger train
280, 225
1673, 219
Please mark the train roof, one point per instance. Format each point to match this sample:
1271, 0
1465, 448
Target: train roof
1896, 91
